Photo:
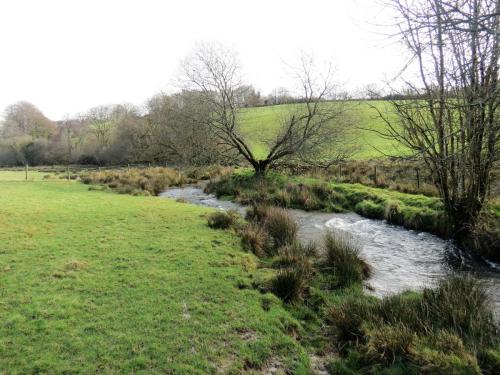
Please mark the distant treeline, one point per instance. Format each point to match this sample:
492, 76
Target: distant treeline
170, 129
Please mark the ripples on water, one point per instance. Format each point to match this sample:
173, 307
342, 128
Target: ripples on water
401, 259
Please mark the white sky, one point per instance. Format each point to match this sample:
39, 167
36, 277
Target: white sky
66, 56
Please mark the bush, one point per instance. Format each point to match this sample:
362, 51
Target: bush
342, 256
223, 219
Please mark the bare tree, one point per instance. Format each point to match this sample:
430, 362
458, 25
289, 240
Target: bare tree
23, 118
310, 128
102, 120
453, 121
72, 133
178, 130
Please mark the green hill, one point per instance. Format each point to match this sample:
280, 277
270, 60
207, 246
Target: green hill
261, 123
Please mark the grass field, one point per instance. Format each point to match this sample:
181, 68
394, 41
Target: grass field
14, 175
261, 123
92, 281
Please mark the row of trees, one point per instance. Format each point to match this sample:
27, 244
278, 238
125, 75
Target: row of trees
199, 125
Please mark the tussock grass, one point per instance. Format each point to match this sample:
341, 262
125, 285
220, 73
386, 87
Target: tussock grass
295, 271
255, 239
445, 329
289, 283
342, 257
223, 219
279, 226
387, 343
136, 181
461, 305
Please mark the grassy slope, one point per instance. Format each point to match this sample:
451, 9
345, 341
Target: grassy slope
261, 123
95, 281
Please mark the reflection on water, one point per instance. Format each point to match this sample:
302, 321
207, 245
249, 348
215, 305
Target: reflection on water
401, 258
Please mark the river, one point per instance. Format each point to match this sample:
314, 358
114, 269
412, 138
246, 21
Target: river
401, 259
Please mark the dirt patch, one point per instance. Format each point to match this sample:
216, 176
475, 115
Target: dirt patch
247, 334
273, 367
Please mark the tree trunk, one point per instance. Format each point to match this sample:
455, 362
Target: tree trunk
462, 216
260, 167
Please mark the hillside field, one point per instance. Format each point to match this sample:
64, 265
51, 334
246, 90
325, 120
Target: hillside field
262, 123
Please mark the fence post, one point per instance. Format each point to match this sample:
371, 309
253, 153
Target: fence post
67, 172
340, 172
26, 172
375, 175
418, 178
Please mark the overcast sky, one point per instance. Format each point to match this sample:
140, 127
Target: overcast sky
67, 56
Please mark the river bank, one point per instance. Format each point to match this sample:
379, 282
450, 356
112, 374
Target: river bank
351, 323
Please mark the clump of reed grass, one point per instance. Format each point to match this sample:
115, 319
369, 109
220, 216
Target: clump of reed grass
295, 270
448, 328
277, 223
342, 257
388, 342
255, 239
281, 227
289, 283
461, 304
394, 213
295, 253
153, 180
223, 219
348, 320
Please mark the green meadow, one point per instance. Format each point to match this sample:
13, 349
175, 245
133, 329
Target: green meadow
93, 281
262, 123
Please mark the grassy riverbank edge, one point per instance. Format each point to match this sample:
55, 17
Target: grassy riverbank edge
448, 329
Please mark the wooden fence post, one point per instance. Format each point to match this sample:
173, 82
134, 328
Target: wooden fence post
375, 175
67, 172
26, 172
418, 178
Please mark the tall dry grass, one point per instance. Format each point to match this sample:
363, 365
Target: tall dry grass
137, 181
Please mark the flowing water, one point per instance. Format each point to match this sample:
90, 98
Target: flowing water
401, 259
